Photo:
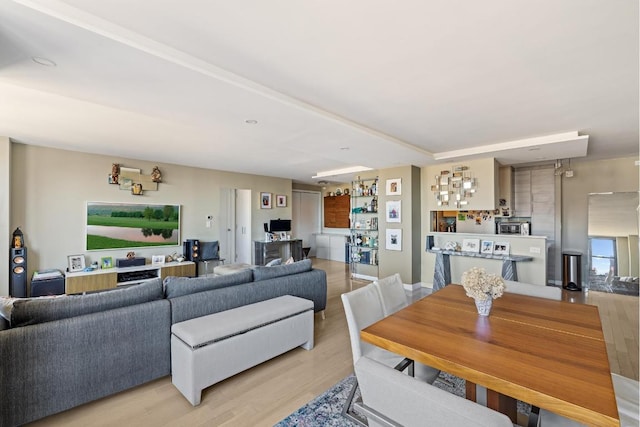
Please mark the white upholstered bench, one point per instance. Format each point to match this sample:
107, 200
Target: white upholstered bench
209, 349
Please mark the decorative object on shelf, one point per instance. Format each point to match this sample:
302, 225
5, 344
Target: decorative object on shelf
281, 201
126, 178
483, 287
394, 187
501, 248
471, 245
106, 262
394, 239
156, 175
115, 172
393, 211
136, 189
265, 200
17, 240
455, 187
157, 259
338, 192
486, 247
75, 263
345, 191
451, 246
131, 255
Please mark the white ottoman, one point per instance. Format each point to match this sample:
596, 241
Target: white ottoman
209, 349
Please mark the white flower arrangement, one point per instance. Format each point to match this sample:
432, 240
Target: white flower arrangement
481, 285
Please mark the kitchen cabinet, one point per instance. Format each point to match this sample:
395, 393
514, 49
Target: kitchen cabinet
506, 191
336, 211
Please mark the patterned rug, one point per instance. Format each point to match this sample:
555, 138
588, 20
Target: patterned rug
328, 408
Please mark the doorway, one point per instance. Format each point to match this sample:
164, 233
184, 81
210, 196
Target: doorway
306, 212
235, 225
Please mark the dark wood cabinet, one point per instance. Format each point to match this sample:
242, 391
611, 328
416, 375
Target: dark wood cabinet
336, 211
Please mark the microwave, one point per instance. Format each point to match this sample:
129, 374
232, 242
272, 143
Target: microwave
522, 228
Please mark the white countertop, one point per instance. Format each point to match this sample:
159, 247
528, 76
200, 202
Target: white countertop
487, 236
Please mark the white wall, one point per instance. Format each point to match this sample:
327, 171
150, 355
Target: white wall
50, 189
5, 202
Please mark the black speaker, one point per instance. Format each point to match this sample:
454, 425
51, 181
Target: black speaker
18, 272
191, 248
42, 287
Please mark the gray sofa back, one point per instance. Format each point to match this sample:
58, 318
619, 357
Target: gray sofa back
54, 366
310, 284
178, 286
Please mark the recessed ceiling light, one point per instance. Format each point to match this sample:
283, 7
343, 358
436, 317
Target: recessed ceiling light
251, 122
43, 61
344, 148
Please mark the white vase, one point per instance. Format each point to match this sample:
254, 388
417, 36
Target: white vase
484, 307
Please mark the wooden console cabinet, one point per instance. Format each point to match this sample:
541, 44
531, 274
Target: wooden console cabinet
97, 280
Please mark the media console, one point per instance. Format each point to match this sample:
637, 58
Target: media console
97, 280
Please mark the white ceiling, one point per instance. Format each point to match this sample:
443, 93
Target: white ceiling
331, 83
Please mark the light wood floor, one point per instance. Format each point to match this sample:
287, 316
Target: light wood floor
264, 395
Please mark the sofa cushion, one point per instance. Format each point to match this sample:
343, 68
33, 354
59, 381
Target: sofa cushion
41, 310
264, 273
178, 286
274, 262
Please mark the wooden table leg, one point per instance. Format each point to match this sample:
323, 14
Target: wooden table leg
501, 403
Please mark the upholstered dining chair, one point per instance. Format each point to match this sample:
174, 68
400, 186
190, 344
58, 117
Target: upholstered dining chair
390, 398
362, 308
392, 293
627, 392
210, 252
548, 292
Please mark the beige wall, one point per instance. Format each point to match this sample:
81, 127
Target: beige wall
407, 261
618, 175
5, 202
50, 189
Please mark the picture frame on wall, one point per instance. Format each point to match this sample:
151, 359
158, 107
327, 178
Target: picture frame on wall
281, 201
75, 263
265, 200
393, 211
394, 239
394, 187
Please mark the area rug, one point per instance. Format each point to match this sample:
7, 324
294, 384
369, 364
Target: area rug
328, 408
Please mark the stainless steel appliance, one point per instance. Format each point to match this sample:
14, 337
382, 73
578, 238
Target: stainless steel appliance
513, 227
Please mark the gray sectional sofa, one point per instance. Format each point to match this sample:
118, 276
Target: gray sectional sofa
58, 353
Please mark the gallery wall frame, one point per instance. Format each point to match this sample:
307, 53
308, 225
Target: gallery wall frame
265, 200
394, 239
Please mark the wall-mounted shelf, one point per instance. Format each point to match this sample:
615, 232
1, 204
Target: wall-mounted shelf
363, 239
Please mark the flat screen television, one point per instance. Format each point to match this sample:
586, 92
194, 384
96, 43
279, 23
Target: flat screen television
276, 225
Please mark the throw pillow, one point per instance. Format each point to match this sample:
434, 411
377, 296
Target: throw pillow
276, 261
289, 261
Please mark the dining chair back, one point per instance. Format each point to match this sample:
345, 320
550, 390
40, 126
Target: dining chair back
393, 399
548, 292
362, 307
392, 293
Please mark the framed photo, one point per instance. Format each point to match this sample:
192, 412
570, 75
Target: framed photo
393, 211
501, 248
394, 239
76, 262
106, 262
282, 235
131, 225
157, 259
265, 200
471, 245
281, 201
394, 187
486, 247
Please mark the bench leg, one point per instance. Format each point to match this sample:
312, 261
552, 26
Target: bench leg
322, 314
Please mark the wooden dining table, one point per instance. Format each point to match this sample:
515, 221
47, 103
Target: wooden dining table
548, 353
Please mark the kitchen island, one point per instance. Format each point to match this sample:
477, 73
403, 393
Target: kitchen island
529, 252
